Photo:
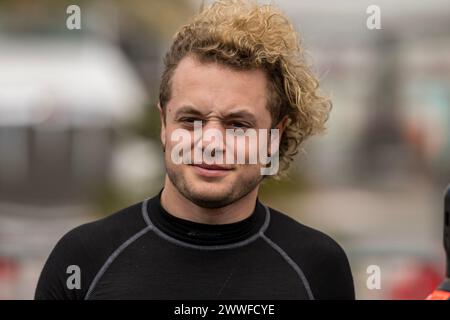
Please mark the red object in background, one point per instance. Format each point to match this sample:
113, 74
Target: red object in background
8, 275
8, 268
418, 285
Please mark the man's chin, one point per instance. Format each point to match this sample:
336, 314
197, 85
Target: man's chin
207, 198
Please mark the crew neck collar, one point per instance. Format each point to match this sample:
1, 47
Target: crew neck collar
203, 234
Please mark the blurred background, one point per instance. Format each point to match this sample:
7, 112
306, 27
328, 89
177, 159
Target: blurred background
79, 130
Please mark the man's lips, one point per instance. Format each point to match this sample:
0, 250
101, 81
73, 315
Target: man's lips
211, 170
212, 166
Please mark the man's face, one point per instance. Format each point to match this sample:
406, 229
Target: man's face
221, 98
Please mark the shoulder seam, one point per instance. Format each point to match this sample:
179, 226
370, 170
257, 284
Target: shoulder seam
292, 263
112, 257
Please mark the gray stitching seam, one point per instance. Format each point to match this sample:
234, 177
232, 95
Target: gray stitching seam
291, 262
200, 247
112, 257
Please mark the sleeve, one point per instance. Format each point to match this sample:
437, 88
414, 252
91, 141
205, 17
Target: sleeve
66, 274
335, 281
322, 260
79, 255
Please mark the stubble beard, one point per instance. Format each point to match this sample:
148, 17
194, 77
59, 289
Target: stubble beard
237, 191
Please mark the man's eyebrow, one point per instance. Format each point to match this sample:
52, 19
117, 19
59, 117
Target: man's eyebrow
187, 110
242, 114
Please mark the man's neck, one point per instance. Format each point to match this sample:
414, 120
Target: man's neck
176, 204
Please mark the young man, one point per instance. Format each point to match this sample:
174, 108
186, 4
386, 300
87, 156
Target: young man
206, 235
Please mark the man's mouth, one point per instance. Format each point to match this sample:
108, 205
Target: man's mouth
213, 166
211, 170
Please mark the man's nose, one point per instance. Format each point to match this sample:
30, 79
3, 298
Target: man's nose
213, 135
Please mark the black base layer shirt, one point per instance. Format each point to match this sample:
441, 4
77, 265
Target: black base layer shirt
143, 252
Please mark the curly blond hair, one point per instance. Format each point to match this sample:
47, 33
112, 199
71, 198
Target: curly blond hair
245, 35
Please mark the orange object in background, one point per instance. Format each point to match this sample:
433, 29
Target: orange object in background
439, 295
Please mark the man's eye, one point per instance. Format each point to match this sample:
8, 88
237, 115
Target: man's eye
241, 125
190, 120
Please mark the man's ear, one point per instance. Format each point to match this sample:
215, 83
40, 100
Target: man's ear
282, 124
162, 118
